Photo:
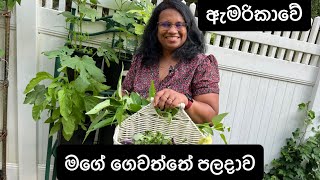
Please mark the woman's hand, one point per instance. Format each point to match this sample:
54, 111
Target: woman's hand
168, 98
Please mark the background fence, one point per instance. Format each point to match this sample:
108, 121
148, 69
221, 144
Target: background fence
264, 76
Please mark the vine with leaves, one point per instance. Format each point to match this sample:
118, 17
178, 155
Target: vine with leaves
300, 157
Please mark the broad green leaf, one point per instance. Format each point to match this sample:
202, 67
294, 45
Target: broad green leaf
139, 29
1, 51
99, 107
97, 87
90, 102
37, 96
55, 128
68, 125
78, 101
63, 51
218, 118
49, 120
152, 90
86, 66
81, 83
88, 12
39, 77
136, 99
223, 138
134, 107
65, 103
68, 14
108, 53
66, 136
36, 111
121, 18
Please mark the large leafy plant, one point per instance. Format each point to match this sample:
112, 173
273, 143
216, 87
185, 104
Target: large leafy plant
116, 108
300, 157
66, 99
131, 18
10, 3
77, 36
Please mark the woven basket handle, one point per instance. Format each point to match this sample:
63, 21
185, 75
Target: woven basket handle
181, 105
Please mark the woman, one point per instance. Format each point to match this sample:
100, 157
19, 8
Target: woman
171, 54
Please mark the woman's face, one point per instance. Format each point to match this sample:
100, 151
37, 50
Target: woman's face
172, 31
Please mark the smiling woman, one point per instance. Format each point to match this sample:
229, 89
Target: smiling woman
172, 55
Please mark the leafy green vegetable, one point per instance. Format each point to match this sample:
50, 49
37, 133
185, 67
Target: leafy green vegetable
215, 125
150, 137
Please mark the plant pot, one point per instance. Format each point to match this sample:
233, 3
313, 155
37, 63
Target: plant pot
113, 72
106, 135
78, 136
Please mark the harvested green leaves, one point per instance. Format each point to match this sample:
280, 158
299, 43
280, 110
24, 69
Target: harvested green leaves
149, 137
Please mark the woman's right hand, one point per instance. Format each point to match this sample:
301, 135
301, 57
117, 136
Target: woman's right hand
168, 98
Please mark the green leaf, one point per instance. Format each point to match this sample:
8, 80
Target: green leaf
66, 136
37, 96
81, 83
119, 115
302, 106
49, 120
90, 102
311, 114
99, 107
152, 90
218, 118
134, 107
85, 66
68, 15
103, 123
65, 102
39, 77
63, 51
1, 51
2, 5
139, 29
68, 125
94, 1
223, 138
121, 18
36, 111
88, 11
119, 86
11, 4
55, 128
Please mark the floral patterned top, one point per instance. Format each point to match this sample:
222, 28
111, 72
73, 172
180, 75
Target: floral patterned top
199, 76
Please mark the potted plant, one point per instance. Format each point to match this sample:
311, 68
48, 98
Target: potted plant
71, 92
130, 19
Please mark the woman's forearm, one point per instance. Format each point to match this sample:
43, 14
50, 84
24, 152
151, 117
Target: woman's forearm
201, 112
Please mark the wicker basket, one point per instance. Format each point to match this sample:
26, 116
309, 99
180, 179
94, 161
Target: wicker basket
182, 129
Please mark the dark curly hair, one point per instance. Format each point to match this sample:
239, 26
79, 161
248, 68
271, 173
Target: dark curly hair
151, 49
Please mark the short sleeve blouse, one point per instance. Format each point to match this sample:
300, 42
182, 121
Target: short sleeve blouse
199, 76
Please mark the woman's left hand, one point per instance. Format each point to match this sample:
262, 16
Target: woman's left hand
168, 98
